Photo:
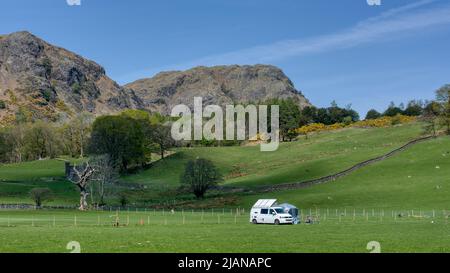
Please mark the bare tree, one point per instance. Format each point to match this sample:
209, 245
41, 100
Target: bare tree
81, 177
105, 176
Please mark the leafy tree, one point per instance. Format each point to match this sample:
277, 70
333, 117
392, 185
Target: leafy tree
82, 125
308, 115
41, 141
290, 117
200, 175
14, 139
430, 117
373, 114
39, 195
161, 137
392, 110
443, 98
414, 108
76, 134
121, 137
2, 104
148, 123
336, 114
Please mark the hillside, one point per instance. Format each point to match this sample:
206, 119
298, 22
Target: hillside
416, 179
219, 85
42, 81
322, 154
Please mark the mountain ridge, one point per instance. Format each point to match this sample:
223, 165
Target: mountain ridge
223, 84
41, 81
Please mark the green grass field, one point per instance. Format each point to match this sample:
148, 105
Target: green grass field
361, 207
218, 231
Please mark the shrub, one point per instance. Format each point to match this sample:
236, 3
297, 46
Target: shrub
200, 175
39, 195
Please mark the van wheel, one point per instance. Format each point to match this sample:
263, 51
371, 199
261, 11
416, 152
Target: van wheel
254, 221
277, 222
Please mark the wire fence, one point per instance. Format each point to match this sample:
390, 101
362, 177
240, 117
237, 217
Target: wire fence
149, 217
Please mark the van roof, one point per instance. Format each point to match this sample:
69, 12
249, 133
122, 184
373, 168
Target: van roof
265, 203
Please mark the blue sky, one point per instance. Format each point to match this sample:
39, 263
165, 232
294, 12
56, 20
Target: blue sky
341, 50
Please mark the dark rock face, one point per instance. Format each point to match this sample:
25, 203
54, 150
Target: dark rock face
219, 85
40, 75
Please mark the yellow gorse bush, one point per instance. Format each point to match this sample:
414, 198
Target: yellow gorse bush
375, 123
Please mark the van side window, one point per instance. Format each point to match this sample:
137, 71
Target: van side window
264, 211
272, 211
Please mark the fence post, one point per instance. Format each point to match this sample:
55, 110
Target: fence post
75, 220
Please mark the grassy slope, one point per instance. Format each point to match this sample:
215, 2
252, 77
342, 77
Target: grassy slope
320, 155
16, 181
418, 178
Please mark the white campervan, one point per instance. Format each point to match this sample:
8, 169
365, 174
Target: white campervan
266, 211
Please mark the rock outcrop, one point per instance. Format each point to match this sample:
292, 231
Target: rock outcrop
219, 85
42, 81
